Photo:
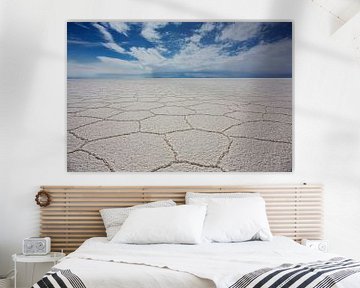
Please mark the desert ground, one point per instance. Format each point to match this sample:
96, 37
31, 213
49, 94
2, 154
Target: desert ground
187, 125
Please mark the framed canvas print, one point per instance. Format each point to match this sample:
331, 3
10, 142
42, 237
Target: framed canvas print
179, 96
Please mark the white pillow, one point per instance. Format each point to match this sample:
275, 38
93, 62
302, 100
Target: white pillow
236, 220
204, 198
181, 224
113, 218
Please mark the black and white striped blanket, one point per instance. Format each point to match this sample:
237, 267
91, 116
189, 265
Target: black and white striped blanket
320, 274
59, 278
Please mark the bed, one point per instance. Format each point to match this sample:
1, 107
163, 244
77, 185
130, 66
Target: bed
294, 211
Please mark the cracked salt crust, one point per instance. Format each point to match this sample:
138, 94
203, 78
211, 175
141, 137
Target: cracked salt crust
106, 129
98, 113
173, 110
198, 125
245, 117
164, 124
278, 110
134, 152
250, 155
174, 167
211, 122
132, 115
213, 109
73, 142
262, 130
74, 122
251, 108
143, 106
278, 117
81, 161
201, 147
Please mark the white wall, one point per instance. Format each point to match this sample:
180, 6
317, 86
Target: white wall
33, 98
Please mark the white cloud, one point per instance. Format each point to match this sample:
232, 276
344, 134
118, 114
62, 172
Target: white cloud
201, 32
195, 58
106, 66
270, 58
207, 27
266, 58
240, 31
82, 25
195, 38
81, 42
149, 56
119, 66
115, 47
110, 43
75, 69
149, 30
105, 33
120, 27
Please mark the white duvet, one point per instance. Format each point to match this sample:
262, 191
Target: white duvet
100, 263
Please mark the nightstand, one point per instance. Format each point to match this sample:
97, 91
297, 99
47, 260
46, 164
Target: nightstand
52, 257
320, 245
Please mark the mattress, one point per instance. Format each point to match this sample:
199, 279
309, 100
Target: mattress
99, 263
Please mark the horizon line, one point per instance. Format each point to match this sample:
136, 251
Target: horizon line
142, 78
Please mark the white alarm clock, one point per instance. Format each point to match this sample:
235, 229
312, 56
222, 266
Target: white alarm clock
36, 246
320, 245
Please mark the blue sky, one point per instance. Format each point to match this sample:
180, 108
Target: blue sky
179, 49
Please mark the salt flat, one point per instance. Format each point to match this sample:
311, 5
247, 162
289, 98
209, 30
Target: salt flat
221, 124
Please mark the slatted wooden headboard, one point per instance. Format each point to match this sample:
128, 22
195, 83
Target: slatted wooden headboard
73, 215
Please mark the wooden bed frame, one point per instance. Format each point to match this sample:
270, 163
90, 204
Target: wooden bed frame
73, 214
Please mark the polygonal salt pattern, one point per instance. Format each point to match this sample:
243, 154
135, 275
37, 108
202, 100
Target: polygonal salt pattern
199, 147
143, 106
132, 115
211, 122
75, 110
73, 142
186, 103
278, 117
123, 99
250, 155
108, 128
74, 122
87, 105
278, 110
94, 105
264, 130
165, 125
99, 113
173, 110
212, 109
276, 104
121, 106
243, 116
251, 108
175, 167
138, 152
171, 99
150, 99
80, 161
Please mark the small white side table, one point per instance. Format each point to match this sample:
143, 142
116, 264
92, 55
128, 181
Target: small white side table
53, 257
